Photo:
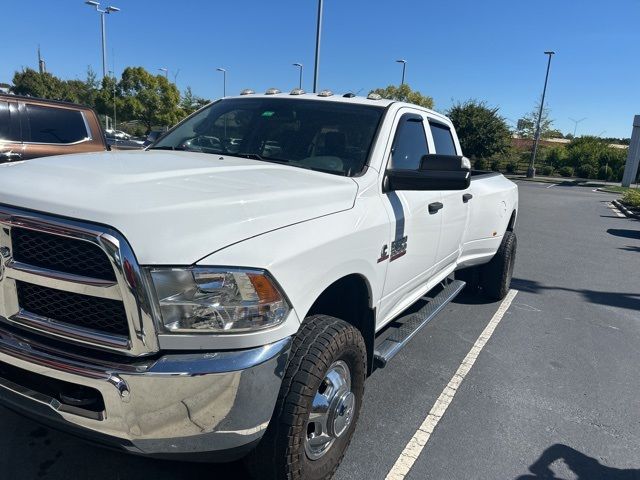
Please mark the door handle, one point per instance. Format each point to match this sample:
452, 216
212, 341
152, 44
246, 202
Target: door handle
466, 197
10, 156
434, 207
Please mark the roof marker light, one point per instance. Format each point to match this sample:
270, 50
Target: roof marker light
297, 91
272, 91
247, 91
325, 93
374, 96
349, 95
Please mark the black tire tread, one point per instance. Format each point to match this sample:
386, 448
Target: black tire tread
495, 276
319, 339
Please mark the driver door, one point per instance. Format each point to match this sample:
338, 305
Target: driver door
415, 230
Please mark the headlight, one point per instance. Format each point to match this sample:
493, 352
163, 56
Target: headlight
217, 300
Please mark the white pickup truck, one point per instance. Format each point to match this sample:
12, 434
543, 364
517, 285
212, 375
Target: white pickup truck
227, 291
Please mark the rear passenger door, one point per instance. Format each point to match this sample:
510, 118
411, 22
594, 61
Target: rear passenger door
455, 209
11, 147
52, 130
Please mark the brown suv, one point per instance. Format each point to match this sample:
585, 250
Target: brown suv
34, 127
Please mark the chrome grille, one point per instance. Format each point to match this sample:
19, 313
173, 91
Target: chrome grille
74, 281
84, 311
60, 253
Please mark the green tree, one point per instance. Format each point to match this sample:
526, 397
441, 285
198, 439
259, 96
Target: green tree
151, 99
613, 157
46, 85
585, 151
189, 102
43, 85
403, 93
104, 99
556, 156
527, 124
481, 130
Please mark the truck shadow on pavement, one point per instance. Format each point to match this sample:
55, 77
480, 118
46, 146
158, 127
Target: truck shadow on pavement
630, 300
34, 451
471, 298
583, 466
624, 233
630, 248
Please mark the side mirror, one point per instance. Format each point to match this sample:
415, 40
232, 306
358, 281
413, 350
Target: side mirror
437, 172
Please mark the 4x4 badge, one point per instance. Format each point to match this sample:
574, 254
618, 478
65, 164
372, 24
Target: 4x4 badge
398, 248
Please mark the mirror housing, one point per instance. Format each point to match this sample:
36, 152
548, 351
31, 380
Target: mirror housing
437, 172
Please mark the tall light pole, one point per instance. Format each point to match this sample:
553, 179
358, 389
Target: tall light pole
113, 75
404, 66
317, 62
224, 80
575, 124
299, 65
166, 72
102, 13
531, 171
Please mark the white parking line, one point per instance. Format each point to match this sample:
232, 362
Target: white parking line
419, 440
615, 210
552, 185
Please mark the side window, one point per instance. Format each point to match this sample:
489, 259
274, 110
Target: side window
55, 125
5, 122
410, 143
442, 139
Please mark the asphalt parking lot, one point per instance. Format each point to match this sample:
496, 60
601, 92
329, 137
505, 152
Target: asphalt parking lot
553, 394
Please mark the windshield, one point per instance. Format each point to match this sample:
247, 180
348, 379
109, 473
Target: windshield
326, 136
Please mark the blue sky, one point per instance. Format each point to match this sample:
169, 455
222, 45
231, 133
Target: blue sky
490, 50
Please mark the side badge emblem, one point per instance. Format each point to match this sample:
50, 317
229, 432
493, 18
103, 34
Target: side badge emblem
384, 254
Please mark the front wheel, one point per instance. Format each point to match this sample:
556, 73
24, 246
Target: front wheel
318, 404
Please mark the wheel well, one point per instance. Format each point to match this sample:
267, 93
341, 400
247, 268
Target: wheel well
348, 299
512, 222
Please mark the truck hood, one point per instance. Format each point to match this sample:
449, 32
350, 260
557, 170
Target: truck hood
175, 207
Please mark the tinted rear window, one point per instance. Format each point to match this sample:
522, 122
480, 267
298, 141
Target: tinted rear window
4, 121
443, 139
55, 125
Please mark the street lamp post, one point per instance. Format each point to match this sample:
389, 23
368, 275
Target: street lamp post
224, 80
404, 66
317, 62
299, 65
113, 75
102, 13
166, 72
575, 124
531, 171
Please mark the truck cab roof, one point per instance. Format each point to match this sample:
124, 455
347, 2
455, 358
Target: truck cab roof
346, 98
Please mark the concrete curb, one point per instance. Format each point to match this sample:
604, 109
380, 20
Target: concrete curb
625, 210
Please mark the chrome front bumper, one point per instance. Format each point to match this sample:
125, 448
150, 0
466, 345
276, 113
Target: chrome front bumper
176, 404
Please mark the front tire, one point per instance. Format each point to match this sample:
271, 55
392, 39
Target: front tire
318, 404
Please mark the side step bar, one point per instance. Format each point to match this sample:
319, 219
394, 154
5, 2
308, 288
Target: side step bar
413, 323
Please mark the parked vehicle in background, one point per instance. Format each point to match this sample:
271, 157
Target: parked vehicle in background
119, 134
152, 137
227, 291
34, 127
119, 140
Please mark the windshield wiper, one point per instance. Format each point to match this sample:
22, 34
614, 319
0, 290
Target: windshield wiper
250, 156
167, 147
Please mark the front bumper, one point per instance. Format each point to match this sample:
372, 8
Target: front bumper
175, 405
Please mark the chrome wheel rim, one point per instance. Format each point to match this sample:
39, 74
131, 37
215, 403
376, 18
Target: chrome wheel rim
332, 411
